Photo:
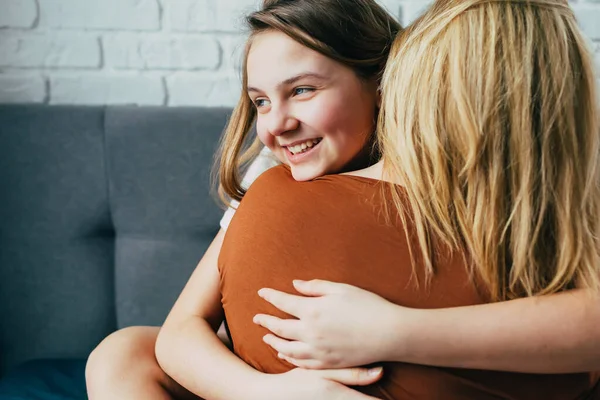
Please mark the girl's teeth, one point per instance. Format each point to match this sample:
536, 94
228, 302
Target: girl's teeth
299, 148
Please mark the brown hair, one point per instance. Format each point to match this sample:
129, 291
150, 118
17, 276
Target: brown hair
490, 120
356, 33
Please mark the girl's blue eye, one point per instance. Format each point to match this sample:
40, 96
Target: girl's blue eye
260, 102
302, 90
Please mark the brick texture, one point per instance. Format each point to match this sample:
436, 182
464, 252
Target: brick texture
147, 52
22, 88
17, 13
56, 50
126, 15
99, 89
140, 52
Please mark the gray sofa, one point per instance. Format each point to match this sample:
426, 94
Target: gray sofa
104, 213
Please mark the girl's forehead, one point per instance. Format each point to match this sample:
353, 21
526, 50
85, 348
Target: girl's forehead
273, 46
275, 57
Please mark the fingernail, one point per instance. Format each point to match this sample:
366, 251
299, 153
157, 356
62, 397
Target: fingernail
261, 292
255, 320
375, 371
279, 355
298, 282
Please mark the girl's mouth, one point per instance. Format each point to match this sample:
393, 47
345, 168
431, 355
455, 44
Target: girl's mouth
301, 151
303, 147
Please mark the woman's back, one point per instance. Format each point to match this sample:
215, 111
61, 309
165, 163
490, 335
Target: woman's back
335, 228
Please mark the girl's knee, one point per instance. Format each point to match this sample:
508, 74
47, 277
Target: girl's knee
127, 349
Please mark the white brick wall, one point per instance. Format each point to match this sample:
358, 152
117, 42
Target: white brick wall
145, 52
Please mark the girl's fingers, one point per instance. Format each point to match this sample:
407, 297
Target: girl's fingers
317, 287
284, 328
306, 364
288, 348
352, 376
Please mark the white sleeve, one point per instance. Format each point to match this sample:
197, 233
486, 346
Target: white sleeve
263, 162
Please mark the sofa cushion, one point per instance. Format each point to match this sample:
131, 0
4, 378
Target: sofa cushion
104, 213
159, 162
45, 380
56, 236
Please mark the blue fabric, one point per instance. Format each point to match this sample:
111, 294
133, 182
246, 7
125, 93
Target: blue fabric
104, 214
45, 380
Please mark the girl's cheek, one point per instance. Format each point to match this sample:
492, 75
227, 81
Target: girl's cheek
264, 136
327, 114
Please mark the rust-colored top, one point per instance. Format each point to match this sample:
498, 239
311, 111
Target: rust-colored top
335, 228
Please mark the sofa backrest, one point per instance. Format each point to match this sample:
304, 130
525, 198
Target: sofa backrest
104, 213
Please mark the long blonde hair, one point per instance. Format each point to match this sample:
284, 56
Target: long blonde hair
490, 121
357, 33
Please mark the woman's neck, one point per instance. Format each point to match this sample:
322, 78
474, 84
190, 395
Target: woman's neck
374, 171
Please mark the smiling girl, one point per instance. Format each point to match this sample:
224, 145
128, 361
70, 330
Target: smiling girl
309, 84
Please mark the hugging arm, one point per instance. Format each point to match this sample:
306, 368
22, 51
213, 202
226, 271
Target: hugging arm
188, 348
557, 333
189, 351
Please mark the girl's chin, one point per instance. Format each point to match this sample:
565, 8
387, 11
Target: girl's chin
306, 173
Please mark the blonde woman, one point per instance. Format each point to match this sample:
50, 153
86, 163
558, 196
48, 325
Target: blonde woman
536, 207
494, 131
489, 130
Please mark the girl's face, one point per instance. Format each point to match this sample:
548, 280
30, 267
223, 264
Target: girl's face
314, 113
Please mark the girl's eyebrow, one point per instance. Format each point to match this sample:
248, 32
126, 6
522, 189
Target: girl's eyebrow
292, 80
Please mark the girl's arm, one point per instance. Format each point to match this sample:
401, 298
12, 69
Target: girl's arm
549, 334
187, 347
189, 350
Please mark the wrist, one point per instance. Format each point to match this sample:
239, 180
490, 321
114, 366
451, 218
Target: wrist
263, 386
403, 333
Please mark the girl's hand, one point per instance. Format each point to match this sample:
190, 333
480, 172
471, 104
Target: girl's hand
338, 326
302, 384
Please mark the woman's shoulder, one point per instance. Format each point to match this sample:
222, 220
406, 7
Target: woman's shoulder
277, 175
281, 180
273, 186
336, 193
